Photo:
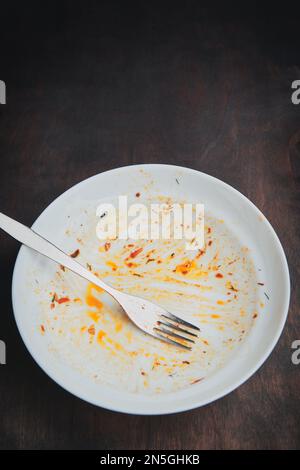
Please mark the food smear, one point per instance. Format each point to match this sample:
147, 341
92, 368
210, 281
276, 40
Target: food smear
215, 287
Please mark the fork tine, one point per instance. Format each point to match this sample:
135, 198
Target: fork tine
168, 340
177, 328
170, 333
172, 317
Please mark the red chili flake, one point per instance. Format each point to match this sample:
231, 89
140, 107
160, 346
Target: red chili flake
52, 305
63, 300
143, 373
208, 230
135, 253
149, 260
62, 268
75, 253
185, 362
107, 246
255, 315
200, 253
210, 242
137, 194
130, 265
219, 275
43, 328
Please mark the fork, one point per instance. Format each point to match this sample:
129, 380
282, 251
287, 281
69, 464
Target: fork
146, 315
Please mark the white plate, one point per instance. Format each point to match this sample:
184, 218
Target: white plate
139, 374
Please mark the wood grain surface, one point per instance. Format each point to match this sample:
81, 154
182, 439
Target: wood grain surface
99, 85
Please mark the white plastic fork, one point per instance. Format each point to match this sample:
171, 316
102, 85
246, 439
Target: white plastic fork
148, 316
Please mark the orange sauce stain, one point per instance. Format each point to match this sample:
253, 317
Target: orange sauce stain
133, 353
118, 327
186, 267
214, 315
112, 265
91, 300
199, 273
100, 336
220, 302
129, 336
131, 265
92, 330
94, 316
116, 345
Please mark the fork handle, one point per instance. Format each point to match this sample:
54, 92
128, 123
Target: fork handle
31, 239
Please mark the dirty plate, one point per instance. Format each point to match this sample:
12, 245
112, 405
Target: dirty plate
236, 289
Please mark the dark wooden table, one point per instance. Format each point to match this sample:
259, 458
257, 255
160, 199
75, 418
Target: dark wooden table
97, 86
